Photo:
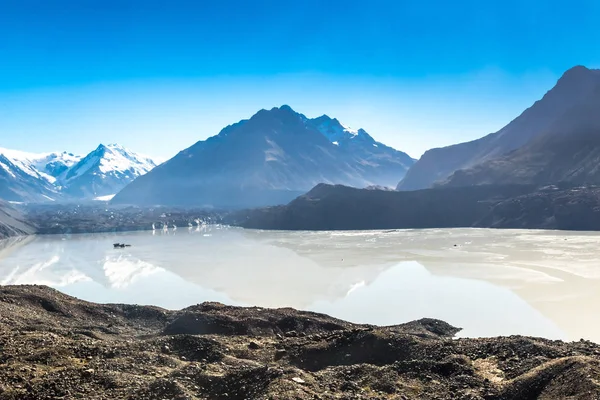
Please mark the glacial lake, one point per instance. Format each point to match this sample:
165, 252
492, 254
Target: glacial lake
488, 282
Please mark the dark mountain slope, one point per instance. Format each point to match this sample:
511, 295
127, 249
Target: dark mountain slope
575, 208
575, 89
486, 206
568, 151
12, 222
338, 207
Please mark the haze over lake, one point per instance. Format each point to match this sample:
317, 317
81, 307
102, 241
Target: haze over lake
488, 282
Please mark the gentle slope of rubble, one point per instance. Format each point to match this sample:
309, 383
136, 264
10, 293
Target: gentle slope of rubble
53, 346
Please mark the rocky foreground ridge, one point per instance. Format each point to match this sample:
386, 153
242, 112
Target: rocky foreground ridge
53, 346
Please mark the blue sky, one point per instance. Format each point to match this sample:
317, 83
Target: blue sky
157, 76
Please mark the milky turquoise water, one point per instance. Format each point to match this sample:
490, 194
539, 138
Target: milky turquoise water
489, 282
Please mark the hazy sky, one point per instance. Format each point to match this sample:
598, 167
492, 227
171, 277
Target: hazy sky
157, 76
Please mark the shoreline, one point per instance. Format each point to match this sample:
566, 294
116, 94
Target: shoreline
54, 345
543, 296
119, 230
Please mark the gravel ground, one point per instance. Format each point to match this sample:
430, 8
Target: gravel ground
53, 346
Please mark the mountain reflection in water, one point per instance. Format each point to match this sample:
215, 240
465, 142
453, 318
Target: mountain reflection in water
489, 282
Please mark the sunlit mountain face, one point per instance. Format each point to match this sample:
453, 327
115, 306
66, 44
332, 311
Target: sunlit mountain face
51, 177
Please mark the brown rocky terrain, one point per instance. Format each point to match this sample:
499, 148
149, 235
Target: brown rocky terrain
53, 346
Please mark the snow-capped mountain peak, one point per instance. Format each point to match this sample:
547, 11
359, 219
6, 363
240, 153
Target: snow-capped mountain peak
105, 171
112, 158
49, 176
118, 158
46, 166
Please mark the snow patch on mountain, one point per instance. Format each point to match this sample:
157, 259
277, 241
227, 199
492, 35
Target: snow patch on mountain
349, 130
108, 197
334, 130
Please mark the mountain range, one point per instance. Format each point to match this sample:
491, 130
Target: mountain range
28, 177
542, 170
278, 154
271, 158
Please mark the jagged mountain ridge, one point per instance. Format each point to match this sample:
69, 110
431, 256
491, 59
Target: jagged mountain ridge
270, 158
382, 163
574, 90
29, 177
104, 172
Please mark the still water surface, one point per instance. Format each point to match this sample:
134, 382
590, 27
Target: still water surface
489, 282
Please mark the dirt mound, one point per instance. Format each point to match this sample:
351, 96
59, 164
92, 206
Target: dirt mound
215, 318
55, 346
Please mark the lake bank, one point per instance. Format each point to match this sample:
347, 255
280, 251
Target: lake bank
101, 218
337, 207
